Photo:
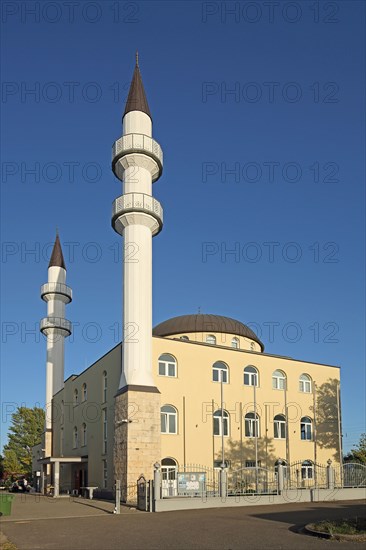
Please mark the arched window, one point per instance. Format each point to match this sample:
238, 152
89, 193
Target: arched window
235, 343
305, 383
85, 392
169, 469
76, 397
84, 434
251, 425
221, 423
167, 365
211, 339
185, 338
307, 471
250, 376
105, 386
75, 442
279, 426
279, 380
220, 371
284, 466
306, 428
169, 417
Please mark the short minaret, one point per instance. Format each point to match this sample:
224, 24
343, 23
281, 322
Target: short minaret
137, 160
56, 328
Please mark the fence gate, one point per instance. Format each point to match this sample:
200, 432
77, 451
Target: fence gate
252, 481
143, 494
306, 475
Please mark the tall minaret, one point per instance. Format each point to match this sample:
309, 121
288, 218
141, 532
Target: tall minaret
137, 160
56, 328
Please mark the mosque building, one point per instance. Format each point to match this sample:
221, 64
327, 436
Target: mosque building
194, 390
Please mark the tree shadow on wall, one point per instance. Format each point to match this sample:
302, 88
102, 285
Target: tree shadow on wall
326, 416
239, 453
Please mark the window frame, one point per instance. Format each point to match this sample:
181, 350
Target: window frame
277, 385
219, 369
167, 415
249, 423
105, 431
304, 382
279, 425
219, 421
84, 392
105, 473
166, 365
251, 375
84, 434
211, 337
76, 397
235, 340
75, 438
306, 428
105, 386
306, 467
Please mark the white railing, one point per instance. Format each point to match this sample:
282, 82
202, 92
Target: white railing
56, 288
55, 322
138, 202
137, 142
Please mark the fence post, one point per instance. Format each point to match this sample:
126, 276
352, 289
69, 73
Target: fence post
223, 483
280, 478
330, 475
157, 482
117, 509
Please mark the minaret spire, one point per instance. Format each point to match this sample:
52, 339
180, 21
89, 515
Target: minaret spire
57, 258
136, 100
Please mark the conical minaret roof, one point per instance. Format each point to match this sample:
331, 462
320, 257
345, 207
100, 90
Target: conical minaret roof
136, 100
57, 258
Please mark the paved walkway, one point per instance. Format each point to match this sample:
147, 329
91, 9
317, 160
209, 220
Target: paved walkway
255, 528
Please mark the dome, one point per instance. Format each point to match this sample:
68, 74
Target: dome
203, 322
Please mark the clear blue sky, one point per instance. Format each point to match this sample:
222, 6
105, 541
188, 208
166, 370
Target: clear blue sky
292, 129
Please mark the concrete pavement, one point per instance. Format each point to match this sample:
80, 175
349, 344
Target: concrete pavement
268, 527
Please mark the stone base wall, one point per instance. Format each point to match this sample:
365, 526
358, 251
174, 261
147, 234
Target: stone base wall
136, 438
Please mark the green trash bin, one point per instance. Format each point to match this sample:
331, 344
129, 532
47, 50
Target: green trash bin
5, 504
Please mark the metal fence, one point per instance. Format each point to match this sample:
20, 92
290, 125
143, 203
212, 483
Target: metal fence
253, 480
211, 479
204, 481
351, 474
305, 475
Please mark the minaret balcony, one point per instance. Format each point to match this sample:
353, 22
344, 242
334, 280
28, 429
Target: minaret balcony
140, 144
134, 203
54, 291
57, 324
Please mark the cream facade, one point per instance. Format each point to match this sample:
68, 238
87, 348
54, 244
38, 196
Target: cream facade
85, 407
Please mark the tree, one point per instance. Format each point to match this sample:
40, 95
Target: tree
359, 453
25, 431
12, 465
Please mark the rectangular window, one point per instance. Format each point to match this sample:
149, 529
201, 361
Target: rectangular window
105, 474
251, 463
279, 429
105, 427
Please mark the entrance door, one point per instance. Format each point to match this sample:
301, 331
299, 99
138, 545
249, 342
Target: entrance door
169, 477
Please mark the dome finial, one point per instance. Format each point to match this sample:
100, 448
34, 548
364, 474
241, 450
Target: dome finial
137, 58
